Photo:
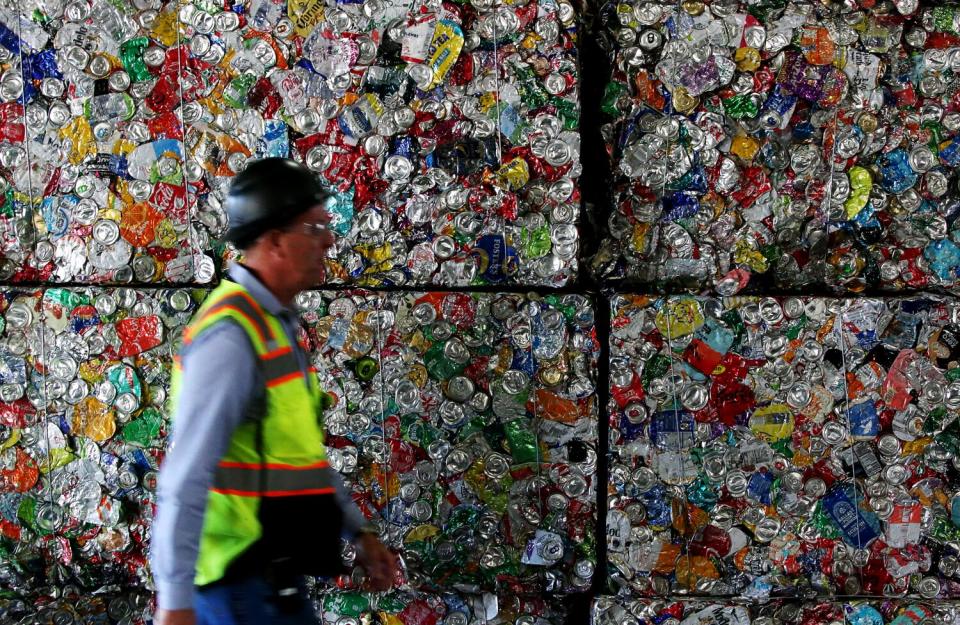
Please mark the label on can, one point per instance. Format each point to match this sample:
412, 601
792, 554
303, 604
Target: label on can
708, 347
913, 615
774, 420
719, 615
305, 15
858, 526
418, 37
903, 526
672, 429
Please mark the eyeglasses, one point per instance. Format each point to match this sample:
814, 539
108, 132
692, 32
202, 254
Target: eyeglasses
315, 229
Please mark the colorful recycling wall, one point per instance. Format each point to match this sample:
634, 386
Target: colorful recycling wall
464, 424
762, 438
448, 132
769, 447
781, 144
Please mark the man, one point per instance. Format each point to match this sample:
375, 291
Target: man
247, 503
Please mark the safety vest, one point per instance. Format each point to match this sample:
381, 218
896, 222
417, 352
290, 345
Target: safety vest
274, 481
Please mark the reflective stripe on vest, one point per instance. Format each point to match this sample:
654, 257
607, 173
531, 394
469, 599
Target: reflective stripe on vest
279, 480
280, 366
244, 305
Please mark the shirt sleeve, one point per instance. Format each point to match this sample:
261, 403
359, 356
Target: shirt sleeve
353, 519
218, 381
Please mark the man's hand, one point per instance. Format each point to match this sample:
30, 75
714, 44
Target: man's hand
377, 561
175, 617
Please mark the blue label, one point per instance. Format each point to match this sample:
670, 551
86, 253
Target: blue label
951, 154
341, 211
679, 205
858, 526
497, 259
511, 123
55, 217
275, 141
913, 615
84, 320
9, 39
943, 255
759, 486
692, 373
672, 429
716, 335
779, 101
955, 511
41, 65
9, 505
524, 361
658, 510
13, 369
403, 146
902, 333
865, 615
630, 431
896, 175
864, 421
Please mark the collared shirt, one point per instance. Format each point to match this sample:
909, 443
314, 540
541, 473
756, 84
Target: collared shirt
219, 385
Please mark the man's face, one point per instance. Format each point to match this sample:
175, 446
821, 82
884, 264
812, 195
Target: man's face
305, 245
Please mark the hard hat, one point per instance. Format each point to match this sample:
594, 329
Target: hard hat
268, 194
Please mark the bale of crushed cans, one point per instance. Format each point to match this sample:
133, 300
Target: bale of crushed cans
766, 447
449, 133
464, 424
782, 144
84, 375
622, 611
406, 607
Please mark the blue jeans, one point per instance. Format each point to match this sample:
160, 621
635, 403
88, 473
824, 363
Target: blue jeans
250, 602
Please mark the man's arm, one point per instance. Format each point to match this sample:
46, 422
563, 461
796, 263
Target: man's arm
353, 519
219, 372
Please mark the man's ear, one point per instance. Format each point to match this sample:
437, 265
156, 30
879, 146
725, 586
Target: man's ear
273, 242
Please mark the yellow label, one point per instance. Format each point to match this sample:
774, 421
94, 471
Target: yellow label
421, 532
82, 144
419, 342
747, 59
444, 49
683, 102
360, 340
514, 174
91, 371
640, 237
530, 41
165, 28
745, 147
390, 619
679, 318
58, 457
123, 147
110, 212
487, 101
744, 254
418, 375
775, 421
93, 419
166, 234
861, 183
691, 569
13, 440
305, 15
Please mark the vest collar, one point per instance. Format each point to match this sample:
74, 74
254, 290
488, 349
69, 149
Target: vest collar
246, 278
